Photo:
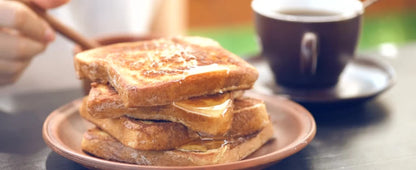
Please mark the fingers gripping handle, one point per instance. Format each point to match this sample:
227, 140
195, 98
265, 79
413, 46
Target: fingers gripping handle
309, 56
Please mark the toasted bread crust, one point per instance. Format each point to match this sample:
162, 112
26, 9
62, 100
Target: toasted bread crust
100, 144
245, 121
104, 102
160, 71
249, 116
143, 135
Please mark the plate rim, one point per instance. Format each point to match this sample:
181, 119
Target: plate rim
52, 140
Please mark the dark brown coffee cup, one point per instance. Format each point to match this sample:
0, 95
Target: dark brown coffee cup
307, 43
107, 40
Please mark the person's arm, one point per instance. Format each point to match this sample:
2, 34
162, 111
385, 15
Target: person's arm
22, 35
169, 18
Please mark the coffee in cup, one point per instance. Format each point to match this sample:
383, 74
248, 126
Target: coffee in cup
307, 43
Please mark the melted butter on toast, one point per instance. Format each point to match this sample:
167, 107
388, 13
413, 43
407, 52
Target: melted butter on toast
202, 145
206, 69
211, 106
206, 144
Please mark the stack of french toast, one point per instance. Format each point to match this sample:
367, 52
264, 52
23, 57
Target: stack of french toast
171, 101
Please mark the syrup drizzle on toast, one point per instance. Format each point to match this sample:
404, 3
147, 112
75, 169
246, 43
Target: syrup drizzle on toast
210, 106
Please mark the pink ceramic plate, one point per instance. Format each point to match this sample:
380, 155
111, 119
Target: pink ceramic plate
294, 128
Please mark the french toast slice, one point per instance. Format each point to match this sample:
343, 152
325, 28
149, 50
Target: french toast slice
249, 117
101, 144
141, 134
198, 114
158, 72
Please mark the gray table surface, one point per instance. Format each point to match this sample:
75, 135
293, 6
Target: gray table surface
378, 134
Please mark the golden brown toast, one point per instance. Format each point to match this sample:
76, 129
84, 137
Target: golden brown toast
161, 71
151, 135
250, 115
143, 135
198, 114
101, 144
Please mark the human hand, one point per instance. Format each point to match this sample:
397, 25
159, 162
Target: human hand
23, 34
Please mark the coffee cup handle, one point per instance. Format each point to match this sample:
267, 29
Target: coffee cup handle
308, 51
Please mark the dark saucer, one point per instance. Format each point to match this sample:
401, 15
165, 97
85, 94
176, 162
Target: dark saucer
362, 79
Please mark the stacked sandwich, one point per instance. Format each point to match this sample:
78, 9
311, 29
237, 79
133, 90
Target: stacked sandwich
171, 101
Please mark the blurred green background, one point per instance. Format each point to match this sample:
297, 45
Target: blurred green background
392, 22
